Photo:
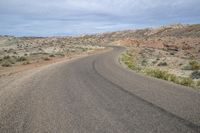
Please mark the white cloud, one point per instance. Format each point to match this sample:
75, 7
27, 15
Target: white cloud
99, 15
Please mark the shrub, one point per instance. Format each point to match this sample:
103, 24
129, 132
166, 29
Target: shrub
9, 59
128, 60
84, 49
6, 57
40, 49
194, 65
26, 63
158, 73
60, 54
195, 75
173, 78
186, 81
162, 64
22, 58
187, 67
46, 58
6, 64
51, 55
198, 83
144, 62
170, 77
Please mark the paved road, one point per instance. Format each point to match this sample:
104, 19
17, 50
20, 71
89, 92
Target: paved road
95, 94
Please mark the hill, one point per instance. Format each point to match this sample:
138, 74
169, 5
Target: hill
175, 45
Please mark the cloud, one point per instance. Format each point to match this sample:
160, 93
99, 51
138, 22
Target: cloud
70, 17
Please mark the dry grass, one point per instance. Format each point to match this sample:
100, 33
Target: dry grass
128, 59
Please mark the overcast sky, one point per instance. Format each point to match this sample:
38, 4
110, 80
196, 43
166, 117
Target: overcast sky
74, 17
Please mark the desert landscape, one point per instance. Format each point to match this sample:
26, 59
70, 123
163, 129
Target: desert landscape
174, 49
171, 53
18, 53
108, 66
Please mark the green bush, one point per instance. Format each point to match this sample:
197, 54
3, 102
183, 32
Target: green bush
173, 78
198, 83
194, 65
169, 77
161, 74
128, 60
158, 73
186, 81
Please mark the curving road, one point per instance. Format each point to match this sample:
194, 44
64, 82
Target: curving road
95, 94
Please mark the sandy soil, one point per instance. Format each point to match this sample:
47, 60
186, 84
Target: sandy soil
7, 71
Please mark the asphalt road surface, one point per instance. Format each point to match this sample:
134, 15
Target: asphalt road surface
95, 94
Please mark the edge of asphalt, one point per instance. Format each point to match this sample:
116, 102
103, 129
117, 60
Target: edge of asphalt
186, 122
118, 62
34, 71
21, 76
56, 62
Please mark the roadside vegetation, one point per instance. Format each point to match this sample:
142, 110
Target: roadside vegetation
8, 61
129, 59
193, 65
174, 47
34, 50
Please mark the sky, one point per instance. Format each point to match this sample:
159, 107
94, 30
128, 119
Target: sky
76, 17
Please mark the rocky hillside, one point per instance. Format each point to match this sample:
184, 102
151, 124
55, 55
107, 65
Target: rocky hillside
177, 41
171, 53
